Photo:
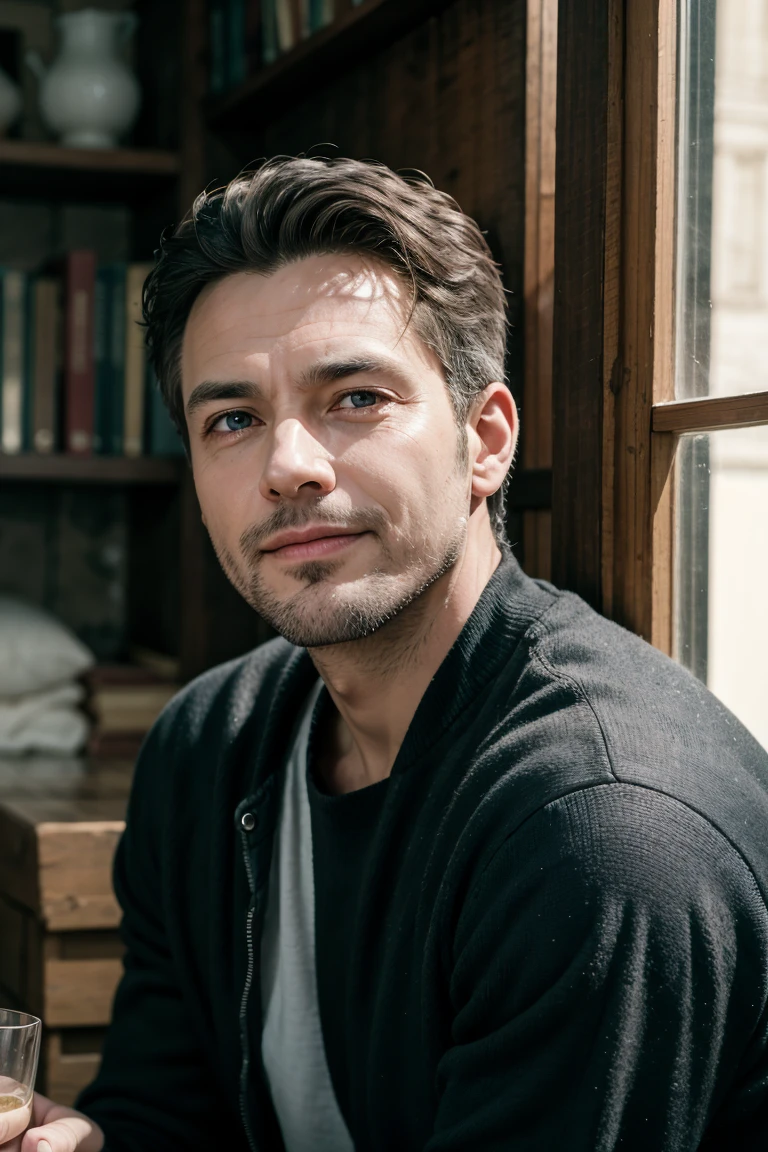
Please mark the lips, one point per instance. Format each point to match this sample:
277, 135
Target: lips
312, 543
306, 536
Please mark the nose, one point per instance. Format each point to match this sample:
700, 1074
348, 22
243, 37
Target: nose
296, 463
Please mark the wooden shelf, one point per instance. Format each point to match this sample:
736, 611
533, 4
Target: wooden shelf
84, 174
93, 469
357, 32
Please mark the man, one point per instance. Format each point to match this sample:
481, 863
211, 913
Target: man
457, 863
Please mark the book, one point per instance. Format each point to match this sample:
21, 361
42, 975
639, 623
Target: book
253, 32
46, 362
162, 439
124, 700
125, 708
14, 301
102, 361
287, 25
79, 293
163, 666
269, 41
114, 745
134, 675
218, 80
236, 64
135, 361
117, 326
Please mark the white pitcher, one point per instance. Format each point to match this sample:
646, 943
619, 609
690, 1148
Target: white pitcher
88, 96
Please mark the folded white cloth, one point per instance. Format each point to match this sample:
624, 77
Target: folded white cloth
37, 651
47, 721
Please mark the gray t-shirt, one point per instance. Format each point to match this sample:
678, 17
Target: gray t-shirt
292, 1041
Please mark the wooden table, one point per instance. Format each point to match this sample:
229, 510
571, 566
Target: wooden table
60, 953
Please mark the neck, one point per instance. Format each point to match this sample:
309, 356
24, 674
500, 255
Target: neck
377, 683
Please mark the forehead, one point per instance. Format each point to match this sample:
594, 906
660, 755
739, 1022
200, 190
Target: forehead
326, 300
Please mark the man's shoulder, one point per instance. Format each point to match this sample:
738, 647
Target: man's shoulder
645, 705
208, 715
615, 709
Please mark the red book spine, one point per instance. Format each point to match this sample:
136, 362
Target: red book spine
79, 376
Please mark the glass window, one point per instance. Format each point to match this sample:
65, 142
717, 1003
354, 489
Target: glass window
722, 282
721, 503
722, 561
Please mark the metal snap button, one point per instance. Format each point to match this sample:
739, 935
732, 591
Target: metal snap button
248, 821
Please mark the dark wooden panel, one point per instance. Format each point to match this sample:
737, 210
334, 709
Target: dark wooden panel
449, 99
581, 226
530, 489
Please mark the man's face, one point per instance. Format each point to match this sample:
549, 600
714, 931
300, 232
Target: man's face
330, 470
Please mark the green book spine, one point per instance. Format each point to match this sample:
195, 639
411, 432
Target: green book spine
269, 45
236, 38
162, 437
218, 80
117, 356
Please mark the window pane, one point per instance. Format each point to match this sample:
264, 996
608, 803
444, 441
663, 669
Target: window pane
721, 590
722, 293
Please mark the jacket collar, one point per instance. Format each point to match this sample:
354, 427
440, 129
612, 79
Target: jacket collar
508, 605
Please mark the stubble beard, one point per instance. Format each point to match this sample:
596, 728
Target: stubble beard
320, 613
316, 618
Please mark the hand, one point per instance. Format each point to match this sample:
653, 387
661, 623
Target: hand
54, 1129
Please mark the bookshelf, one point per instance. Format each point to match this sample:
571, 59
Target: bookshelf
92, 469
354, 33
437, 85
102, 540
31, 168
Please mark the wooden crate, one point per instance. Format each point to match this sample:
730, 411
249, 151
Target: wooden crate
69, 1061
60, 952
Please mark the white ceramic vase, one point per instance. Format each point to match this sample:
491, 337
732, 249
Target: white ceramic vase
88, 96
10, 102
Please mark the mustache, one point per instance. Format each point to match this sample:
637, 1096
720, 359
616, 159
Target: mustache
286, 517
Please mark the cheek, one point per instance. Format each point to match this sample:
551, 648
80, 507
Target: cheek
226, 507
405, 471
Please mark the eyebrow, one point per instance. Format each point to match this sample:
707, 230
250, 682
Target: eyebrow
327, 371
222, 390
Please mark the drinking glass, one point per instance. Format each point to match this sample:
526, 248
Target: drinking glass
19, 1048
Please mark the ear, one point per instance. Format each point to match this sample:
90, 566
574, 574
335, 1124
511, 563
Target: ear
492, 428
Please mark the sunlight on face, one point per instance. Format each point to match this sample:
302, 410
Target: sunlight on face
330, 469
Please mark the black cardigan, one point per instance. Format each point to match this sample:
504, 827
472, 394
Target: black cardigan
564, 944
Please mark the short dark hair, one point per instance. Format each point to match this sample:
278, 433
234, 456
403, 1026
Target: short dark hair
289, 208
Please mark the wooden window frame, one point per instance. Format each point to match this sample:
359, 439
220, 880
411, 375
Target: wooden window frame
616, 423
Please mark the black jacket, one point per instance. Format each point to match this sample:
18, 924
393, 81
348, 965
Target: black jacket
565, 939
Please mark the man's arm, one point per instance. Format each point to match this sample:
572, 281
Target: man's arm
609, 977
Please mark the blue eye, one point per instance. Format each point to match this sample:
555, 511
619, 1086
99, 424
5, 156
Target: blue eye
361, 399
236, 421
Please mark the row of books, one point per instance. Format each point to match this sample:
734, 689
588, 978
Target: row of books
123, 702
245, 35
73, 359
